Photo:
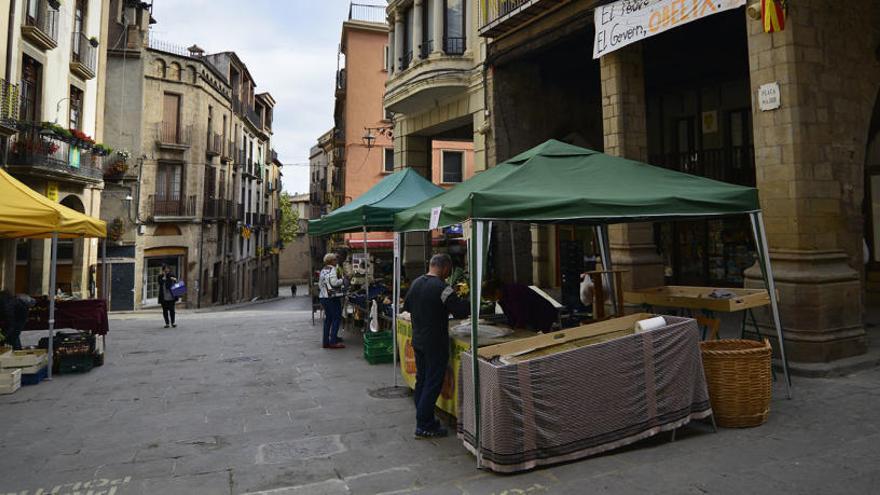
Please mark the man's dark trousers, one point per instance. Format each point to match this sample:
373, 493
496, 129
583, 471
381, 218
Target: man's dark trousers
430, 374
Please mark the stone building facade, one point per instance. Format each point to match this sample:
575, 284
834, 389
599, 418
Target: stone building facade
52, 88
197, 184
688, 99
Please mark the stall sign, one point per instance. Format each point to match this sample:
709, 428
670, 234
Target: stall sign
52, 190
624, 22
435, 217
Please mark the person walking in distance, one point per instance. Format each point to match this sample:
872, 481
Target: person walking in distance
166, 298
330, 286
430, 301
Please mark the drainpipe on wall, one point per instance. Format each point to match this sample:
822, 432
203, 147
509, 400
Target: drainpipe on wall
8, 73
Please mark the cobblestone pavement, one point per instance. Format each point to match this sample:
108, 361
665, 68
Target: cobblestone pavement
246, 401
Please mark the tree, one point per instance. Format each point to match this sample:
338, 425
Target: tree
289, 220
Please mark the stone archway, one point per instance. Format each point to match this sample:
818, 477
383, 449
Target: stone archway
72, 262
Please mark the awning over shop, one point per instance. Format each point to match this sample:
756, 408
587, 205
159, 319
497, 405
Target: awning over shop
560, 183
24, 213
375, 209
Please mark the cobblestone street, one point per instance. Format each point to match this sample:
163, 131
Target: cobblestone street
246, 401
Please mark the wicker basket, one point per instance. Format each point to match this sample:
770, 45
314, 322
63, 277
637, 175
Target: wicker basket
739, 378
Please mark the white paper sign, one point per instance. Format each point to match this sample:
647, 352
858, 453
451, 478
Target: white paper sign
435, 217
768, 97
396, 245
625, 22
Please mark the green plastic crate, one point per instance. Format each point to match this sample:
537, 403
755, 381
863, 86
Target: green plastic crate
378, 342
379, 358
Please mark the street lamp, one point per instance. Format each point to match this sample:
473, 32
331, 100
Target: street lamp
369, 139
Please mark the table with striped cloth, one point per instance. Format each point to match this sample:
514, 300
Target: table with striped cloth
584, 401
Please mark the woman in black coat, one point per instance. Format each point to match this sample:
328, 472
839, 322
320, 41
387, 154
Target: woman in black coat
166, 298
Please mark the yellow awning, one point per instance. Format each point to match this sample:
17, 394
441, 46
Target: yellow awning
24, 213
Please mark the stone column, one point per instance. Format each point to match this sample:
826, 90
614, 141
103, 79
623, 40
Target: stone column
626, 135
390, 62
418, 18
437, 27
398, 40
809, 161
414, 152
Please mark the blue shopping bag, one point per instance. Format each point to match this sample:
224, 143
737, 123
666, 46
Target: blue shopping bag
178, 289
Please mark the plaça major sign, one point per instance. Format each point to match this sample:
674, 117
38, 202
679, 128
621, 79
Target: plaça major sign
626, 21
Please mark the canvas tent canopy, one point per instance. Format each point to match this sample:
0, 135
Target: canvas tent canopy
560, 183
24, 213
375, 209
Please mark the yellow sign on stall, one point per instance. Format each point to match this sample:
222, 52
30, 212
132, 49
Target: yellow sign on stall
448, 400
52, 190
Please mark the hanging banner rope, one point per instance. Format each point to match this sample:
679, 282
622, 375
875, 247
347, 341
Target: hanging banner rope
624, 22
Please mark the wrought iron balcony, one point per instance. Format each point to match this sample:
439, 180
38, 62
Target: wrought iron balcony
35, 154
10, 102
214, 145
454, 46
498, 17
406, 61
366, 13
42, 30
426, 48
163, 206
83, 57
171, 135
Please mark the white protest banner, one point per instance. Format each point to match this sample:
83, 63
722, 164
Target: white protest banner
625, 22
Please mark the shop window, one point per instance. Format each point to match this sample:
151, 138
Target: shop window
388, 161
452, 167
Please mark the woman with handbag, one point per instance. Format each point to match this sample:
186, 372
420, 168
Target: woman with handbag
166, 298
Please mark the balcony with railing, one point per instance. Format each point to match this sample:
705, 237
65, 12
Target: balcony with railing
366, 13
214, 145
10, 102
227, 154
216, 209
454, 45
497, 17
83, 57
41, 29
33, 153
173, 136
171, 208
254, 117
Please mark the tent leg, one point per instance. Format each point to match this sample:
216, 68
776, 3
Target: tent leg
513, 252
605, 255
395, 294
52, 274
767, 270
475, 267
367, 306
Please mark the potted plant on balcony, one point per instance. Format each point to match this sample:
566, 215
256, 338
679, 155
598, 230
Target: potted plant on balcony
93, 41
101, 149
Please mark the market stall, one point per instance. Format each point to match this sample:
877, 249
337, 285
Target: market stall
374, 211
25, 214
560, 183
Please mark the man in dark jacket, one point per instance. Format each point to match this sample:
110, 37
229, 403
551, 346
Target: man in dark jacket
430, 301
166, 298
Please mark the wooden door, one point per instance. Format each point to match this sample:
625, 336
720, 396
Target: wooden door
171, 118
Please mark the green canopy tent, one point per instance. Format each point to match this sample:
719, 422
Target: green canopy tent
560, 183
374, 211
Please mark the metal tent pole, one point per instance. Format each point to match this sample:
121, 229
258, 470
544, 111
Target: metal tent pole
605, 256
395, 294
476, 254
367, 305
52, 273
513, 252
767, 271
105, 277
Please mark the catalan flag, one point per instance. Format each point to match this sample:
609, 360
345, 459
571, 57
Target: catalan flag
773, 15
